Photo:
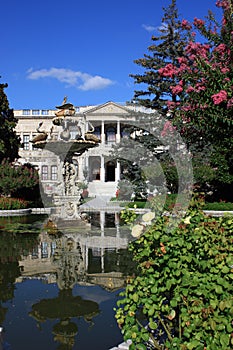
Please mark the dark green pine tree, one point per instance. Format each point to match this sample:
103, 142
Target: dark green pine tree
9, 141
165, 49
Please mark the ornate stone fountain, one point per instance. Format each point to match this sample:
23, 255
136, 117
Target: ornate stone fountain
67, 197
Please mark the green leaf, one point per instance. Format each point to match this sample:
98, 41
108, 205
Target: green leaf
154, 290
225, 269
224, 340
212, 324
141, 347
151, 311
153, 325
145, 336
135, 297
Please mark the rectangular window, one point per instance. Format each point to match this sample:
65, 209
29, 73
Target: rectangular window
44, 112
35, 112
44, 172
26, 142
26, 111
53, 172
44, 250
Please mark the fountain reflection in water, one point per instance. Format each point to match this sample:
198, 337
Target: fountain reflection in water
73, 263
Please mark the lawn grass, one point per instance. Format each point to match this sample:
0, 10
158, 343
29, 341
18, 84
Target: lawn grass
171, 200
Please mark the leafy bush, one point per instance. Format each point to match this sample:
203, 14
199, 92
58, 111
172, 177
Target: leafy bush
137, 204
17, 178
219, 206
7, 203
181, 297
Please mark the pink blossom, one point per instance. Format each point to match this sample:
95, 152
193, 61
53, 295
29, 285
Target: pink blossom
222, 3
199, 87
198, 22
220, 48
230, 103
225, 70
190, 89
221, 96
168, 71
176, 90
197, 50
171, 105
185, 24
182, 60
187, 108
183, 68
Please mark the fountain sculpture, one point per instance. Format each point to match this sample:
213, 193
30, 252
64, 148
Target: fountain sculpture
67, 197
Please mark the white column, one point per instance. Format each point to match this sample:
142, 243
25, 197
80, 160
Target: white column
102, 260
118, 175
102, 222
102, 169
102, 133
86, 258
118, 133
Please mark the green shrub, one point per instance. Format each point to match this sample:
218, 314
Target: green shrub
7, 203
181, 297
219, 206
137, 204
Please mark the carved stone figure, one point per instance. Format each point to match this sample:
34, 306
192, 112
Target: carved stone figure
89, 136
66, 109
42, 134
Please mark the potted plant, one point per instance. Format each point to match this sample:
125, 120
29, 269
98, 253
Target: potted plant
83, 186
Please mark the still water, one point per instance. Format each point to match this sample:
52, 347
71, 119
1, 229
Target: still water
58, 287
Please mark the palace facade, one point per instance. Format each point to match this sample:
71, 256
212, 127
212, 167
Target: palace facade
94, 166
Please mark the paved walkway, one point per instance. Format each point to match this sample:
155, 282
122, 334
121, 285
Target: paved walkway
100, 203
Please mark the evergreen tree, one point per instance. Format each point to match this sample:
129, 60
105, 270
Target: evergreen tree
165, 49
156, 139
9, 141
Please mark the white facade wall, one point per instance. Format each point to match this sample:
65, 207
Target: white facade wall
103, 175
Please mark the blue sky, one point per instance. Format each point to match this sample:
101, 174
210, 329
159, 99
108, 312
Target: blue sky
84, 49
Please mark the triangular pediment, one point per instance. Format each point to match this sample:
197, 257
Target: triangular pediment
109, 108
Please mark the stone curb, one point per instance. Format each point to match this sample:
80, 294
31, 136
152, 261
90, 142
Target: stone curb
123, 346
16, 212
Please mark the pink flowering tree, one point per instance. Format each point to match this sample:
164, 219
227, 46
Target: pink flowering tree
203, 110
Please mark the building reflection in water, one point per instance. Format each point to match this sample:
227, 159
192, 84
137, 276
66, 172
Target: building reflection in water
87, 255
97, 255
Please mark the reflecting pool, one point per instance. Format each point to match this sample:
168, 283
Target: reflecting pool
58, 288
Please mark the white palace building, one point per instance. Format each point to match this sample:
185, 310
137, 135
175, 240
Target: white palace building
102, 174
